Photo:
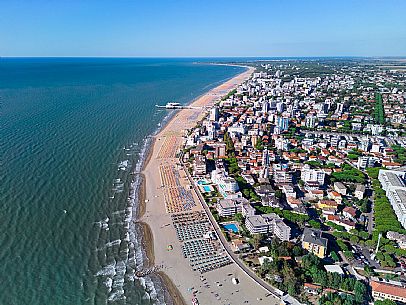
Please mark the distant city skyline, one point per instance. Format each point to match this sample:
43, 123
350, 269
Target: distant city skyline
202, 29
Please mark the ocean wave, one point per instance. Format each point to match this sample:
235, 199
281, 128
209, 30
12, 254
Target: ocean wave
131, 253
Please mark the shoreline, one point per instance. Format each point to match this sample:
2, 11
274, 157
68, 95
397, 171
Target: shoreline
149, 240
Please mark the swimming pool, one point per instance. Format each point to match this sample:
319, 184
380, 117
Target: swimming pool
231, 227
207, 188
202, 182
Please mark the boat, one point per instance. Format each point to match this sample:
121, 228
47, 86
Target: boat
195, 301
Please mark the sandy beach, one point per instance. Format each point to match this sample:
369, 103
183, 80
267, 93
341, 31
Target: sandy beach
213, 287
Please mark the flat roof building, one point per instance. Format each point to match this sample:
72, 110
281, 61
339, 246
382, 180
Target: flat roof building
268, 224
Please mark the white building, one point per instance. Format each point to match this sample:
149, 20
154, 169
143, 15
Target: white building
214, 114
365, 161
393, 182
226, 185
359, 191
199, 166
397, 198
310, 121
268, 224
310, 175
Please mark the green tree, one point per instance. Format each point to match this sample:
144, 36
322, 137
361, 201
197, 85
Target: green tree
256, 240
360, 292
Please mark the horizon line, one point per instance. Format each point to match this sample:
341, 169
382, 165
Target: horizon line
214, 57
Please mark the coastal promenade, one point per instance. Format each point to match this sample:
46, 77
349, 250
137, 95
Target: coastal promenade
213, 287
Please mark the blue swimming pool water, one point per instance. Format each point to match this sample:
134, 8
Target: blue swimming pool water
231, 227
207, 188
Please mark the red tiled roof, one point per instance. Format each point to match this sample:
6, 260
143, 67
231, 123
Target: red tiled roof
388, 289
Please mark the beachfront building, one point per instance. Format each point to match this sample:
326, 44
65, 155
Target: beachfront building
268, 224
214, 114
230, 207
314, 242
226, 185
199, 166
385, 291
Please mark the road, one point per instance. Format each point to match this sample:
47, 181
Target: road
273, 291
350, 268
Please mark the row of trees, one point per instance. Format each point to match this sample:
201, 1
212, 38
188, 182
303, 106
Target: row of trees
385, 217
379, 113
385, 220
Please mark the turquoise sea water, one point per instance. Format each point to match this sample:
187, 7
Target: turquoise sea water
72, 132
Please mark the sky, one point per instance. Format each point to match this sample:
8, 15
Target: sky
202, 28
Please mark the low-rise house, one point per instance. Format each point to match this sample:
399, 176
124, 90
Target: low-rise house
350, 213
264, 190
315, 194
263, 259
293, 202
323, 204
328, 211
238, 245
347, 224
335, 196
312, 288
270, 201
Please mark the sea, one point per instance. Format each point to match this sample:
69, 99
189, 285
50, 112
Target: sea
74, 133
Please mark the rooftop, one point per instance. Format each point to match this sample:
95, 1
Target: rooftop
314, 237
388, 289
